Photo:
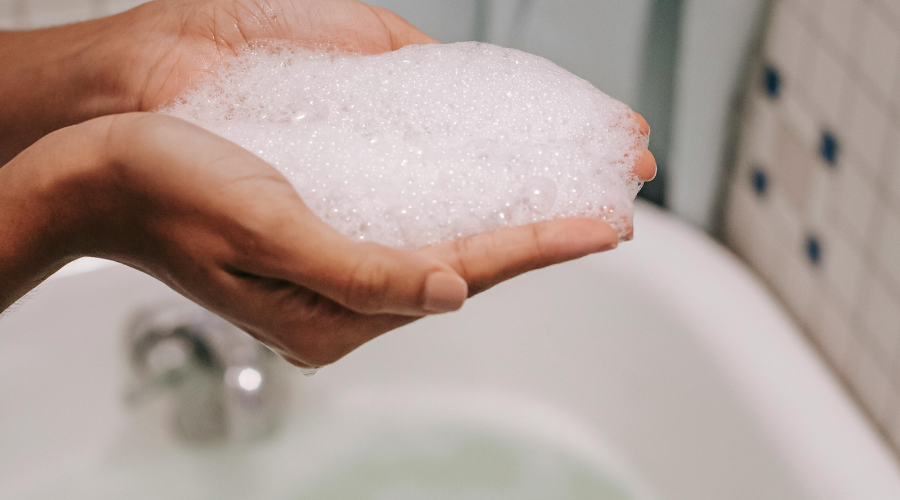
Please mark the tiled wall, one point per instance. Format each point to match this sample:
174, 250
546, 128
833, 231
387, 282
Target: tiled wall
814, 203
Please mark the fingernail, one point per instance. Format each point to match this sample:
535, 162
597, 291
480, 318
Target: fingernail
609, 247
444, 292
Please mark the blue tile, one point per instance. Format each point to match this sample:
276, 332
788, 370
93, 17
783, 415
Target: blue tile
814, 250
760, 181
830, 148
772, 82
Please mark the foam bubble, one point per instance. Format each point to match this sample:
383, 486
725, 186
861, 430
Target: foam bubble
428, 143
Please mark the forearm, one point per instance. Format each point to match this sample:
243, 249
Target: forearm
61, 76
44, 201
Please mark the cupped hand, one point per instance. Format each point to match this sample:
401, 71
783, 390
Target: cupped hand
144, 57
228, 231
178, 41
224, 228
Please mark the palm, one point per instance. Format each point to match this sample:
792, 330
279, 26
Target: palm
210, 30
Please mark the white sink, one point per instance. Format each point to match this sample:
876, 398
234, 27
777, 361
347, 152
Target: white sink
660, 370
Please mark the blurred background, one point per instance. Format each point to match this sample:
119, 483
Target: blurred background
775, 124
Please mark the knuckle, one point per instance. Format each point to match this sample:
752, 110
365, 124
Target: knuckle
539, 254
463, 252
367, 286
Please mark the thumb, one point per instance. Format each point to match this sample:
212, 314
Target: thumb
402, 32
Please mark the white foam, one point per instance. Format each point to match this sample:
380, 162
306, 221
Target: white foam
428, 143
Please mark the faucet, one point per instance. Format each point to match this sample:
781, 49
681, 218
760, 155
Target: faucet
225, 385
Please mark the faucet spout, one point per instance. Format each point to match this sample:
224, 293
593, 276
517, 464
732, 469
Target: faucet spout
224, 385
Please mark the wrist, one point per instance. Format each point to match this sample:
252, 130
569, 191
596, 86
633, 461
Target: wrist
45, 207
57, 77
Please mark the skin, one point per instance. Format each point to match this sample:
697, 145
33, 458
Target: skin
98, 177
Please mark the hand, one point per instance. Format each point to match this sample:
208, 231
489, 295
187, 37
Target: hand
225, 229
142, 58
180, 40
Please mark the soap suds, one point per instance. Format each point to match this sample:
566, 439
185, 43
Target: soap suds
428, 143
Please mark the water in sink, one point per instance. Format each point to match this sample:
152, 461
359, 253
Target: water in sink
376, 445
460, 463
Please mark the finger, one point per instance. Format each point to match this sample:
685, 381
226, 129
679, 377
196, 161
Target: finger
645, 167
306, 328
487, 259
364, 277
402, 32
642, 125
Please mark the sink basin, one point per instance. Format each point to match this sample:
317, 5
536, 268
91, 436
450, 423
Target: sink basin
661, 370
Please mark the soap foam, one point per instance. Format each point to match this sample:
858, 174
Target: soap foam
428, 143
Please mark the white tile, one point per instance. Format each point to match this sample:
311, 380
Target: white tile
872, 382
778, 230
745, 230
889, 247
822, 187
760, 127
832, 331
892, 7
837, 21
890, 170
744, 163
795, 277
786, 224
854, 196
868, 128
893, 428
879, 50
827, 86
842, 260
811, 9
796, 160
801, 120
787, 44
881, 316
795, 284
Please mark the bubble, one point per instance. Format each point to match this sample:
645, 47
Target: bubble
540, 195
428, 143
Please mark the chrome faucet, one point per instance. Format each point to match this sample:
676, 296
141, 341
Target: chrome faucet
225, 385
